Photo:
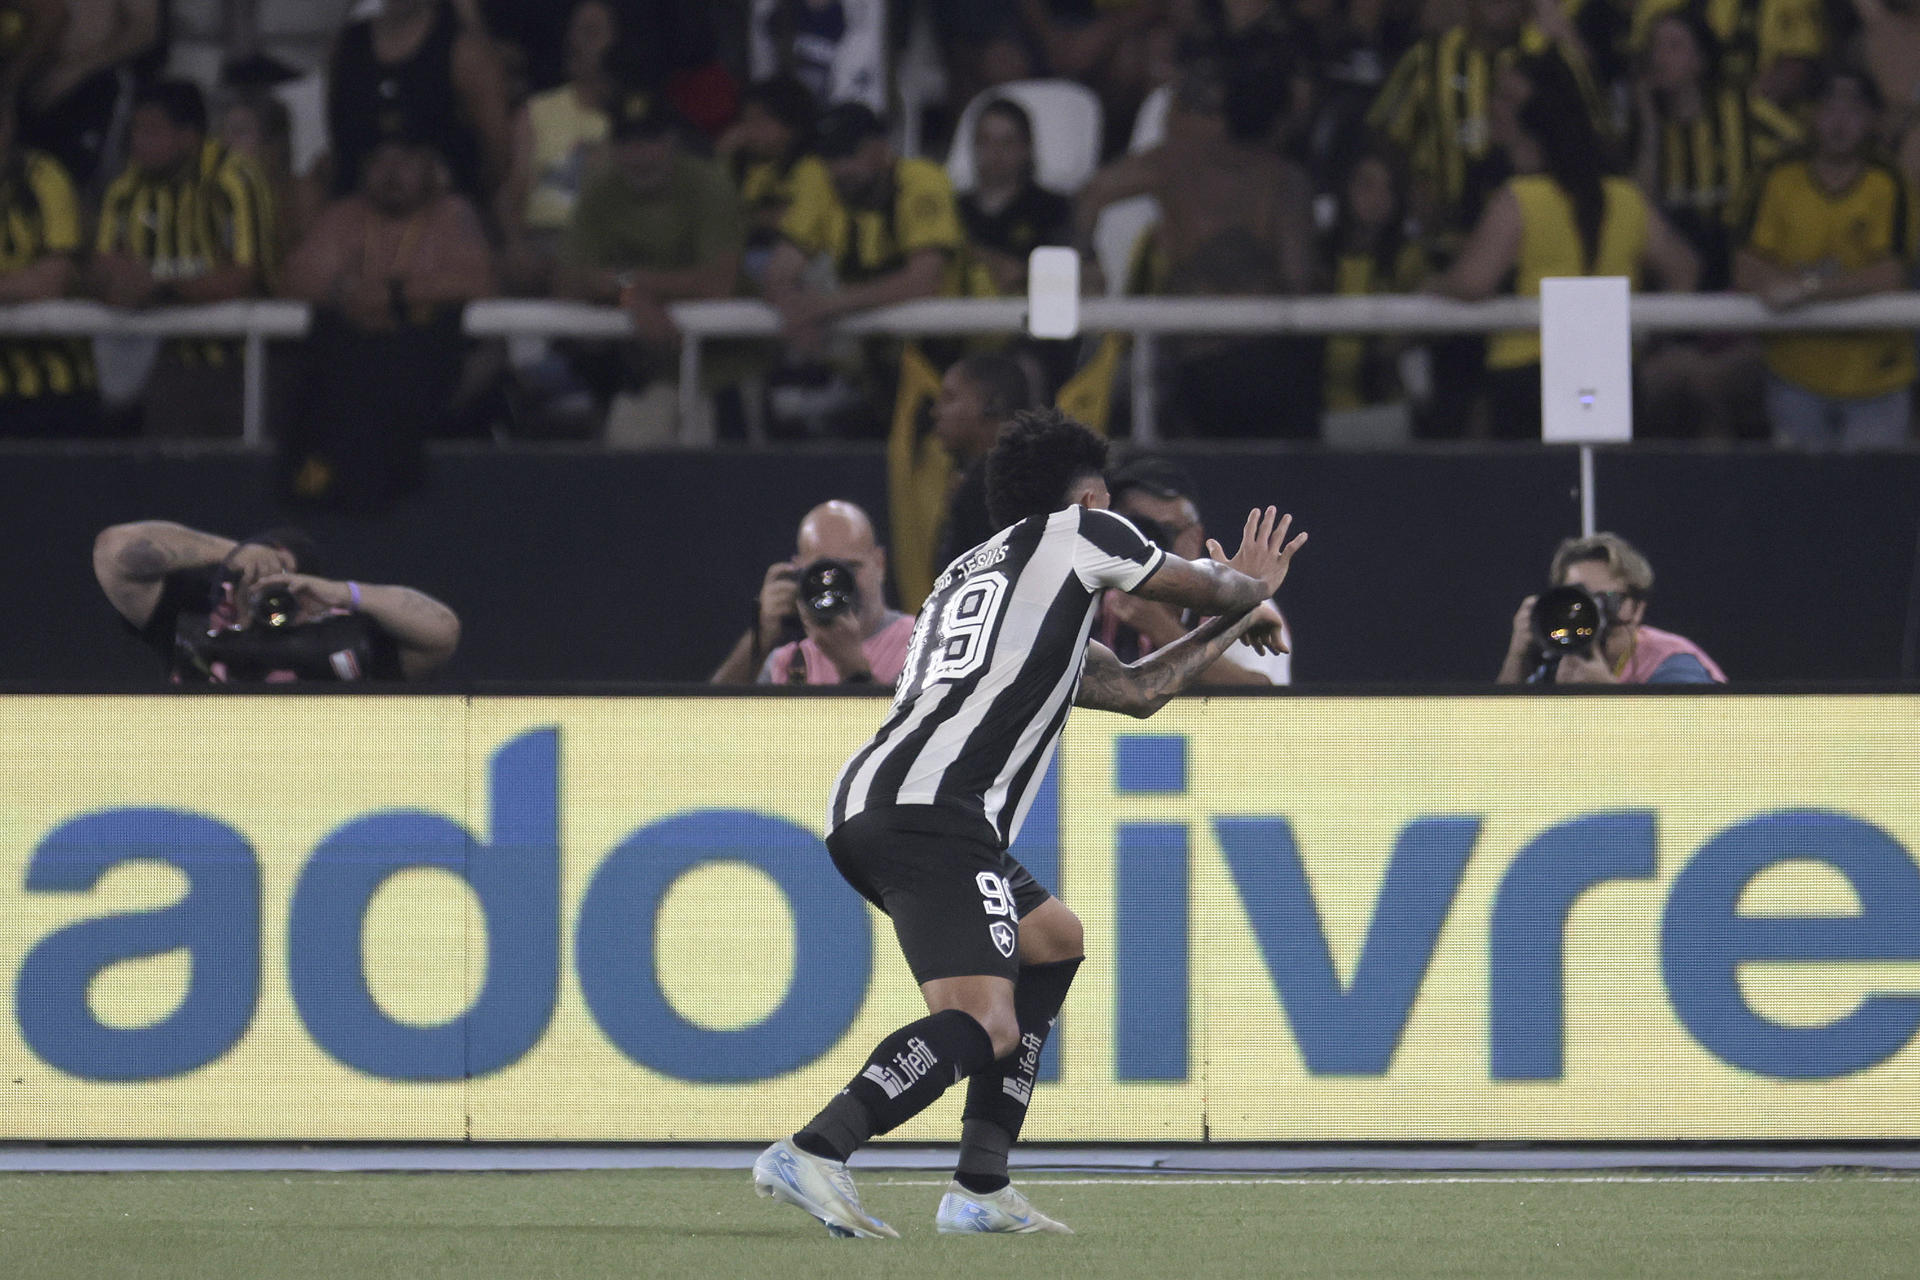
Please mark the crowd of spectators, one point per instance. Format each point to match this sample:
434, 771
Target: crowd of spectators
647, 152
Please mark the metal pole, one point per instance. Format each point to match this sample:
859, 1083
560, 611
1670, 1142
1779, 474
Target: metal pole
689, 388
253, 388
1586, 491
1146, 428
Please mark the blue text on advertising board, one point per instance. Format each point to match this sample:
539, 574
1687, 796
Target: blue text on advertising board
1349, 1028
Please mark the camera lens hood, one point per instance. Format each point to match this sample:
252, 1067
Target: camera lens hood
1567, 619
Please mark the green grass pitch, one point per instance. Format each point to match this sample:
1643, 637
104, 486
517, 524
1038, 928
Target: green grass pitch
666, 1223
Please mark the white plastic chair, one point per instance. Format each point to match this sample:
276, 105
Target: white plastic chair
1066, 133
306, 102
919, 81
1115, 233
1150, 122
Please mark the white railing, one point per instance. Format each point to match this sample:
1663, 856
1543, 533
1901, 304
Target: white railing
251, 322
1146, 318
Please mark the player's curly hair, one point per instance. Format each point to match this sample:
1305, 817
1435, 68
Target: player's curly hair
1039, 456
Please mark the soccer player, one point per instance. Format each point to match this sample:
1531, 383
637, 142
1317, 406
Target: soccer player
923, 814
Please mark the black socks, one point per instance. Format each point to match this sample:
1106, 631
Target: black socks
903, 1076
997, 1098
917, 1063
983, 1156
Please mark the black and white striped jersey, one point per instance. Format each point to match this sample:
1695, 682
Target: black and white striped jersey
992, 669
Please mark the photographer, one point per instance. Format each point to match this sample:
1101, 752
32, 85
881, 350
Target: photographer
1158, 496
1623, 650
822, 616
224, 612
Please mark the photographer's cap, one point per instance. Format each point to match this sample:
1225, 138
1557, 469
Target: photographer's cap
1156, 476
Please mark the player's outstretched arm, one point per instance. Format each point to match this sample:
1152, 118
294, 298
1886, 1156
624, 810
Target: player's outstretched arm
1142, 688
1223, 586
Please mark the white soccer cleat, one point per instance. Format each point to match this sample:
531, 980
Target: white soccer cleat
819, 1186
963, 1211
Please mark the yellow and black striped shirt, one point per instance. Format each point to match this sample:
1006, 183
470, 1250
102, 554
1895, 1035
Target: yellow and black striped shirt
1435, 107
866, 244
767, 187
1356, 370
1707, 164
1754, 34
1705, 170
215, 210
39, 217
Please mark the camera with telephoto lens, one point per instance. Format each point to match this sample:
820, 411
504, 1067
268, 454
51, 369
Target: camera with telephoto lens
828, 588
1570, 620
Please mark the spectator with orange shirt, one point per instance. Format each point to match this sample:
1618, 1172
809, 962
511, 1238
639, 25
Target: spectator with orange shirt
388, 271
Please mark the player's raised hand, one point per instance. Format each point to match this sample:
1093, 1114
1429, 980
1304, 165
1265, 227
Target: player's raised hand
1266, 632
1265, 553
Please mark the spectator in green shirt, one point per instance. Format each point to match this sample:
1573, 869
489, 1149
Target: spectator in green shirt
655, 226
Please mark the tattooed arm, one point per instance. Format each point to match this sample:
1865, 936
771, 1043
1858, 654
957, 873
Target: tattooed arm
132, 561
1109, 684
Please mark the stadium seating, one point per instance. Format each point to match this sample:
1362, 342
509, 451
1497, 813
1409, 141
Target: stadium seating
1066, 133
1117, 231
1150, 122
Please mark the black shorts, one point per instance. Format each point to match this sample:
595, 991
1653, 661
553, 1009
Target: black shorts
956, 899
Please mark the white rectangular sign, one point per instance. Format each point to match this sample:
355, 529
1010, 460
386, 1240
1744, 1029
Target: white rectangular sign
1586, 360
1053, 292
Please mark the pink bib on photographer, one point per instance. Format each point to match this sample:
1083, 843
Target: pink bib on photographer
886, 651
1653, 646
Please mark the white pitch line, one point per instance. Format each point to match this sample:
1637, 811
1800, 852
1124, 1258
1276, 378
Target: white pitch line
1336, 1180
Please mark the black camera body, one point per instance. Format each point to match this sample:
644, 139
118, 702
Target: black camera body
274, 642
1570, 619
826, 589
